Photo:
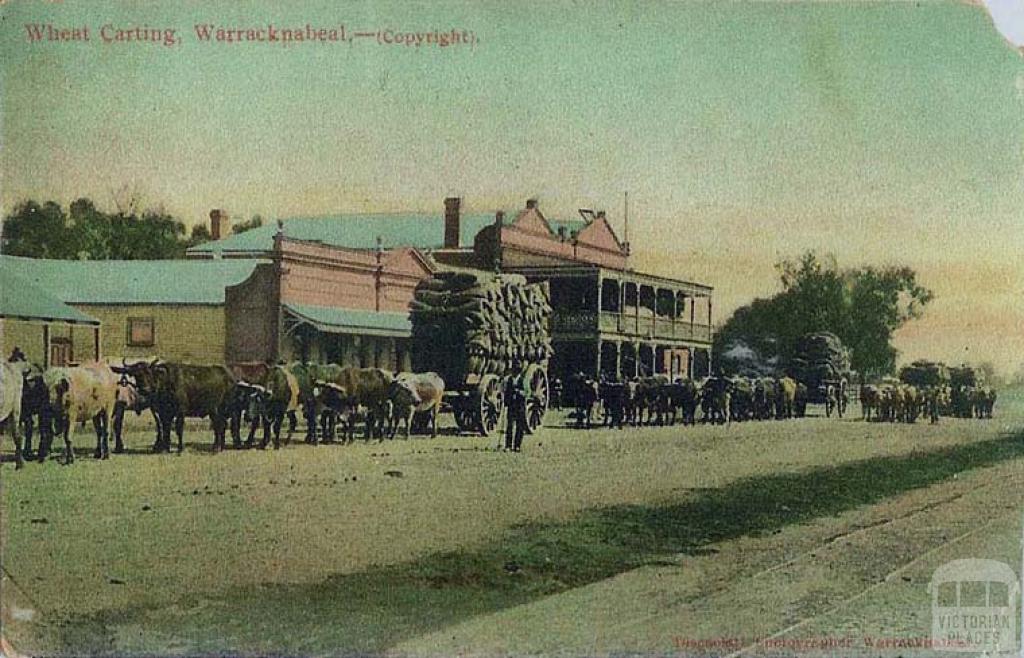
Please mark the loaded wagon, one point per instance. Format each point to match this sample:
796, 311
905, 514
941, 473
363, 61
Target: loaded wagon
482, 332
927, 374
822, 363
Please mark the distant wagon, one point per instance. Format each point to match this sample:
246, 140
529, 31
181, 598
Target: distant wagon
925, 374
821, 362
478, 331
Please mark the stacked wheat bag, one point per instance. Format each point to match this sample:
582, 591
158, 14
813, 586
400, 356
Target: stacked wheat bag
478, 324
820, 357
924, 373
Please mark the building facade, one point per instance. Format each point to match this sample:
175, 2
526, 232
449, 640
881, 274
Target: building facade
337, 289
171, 309
40, 326
608, 318
316, 302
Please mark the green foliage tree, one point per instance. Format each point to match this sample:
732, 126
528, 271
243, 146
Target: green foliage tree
863, 306
40, 230
200, 234
255, 222
85, 232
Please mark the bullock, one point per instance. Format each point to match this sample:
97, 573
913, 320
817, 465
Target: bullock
683, 396
983, 399
176, 391
716, 394
870, 400
128, 399
307, 375
932, 402
961, 401
651, 396
801, 400
12, 383
910, 403
355, 387
583, 394
335, 406
35, 404
785, 397
428, 388
889, 405
632, 404
270, 402
765, 394
80, 393
742, 399
614, 401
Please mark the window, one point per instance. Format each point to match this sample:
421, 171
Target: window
140, 332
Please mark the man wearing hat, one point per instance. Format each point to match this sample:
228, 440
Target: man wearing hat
515, 404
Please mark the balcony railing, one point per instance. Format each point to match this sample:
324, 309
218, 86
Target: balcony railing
573, 322
639, 326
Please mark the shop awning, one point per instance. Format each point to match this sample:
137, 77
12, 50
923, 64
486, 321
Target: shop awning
21, 299
335, 320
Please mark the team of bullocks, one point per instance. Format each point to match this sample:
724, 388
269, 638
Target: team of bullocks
658, 400
329, 397
333, 398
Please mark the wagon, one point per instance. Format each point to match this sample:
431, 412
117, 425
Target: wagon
482, 332
479, 401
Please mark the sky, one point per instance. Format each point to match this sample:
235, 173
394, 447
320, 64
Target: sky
745, 133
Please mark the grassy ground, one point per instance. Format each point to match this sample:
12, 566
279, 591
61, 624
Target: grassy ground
429, 546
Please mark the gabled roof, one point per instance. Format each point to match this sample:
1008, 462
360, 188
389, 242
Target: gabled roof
132, 281
418, 230
22, 300
570, 225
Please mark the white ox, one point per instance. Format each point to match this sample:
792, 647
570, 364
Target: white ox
81, 393
12, 383
413, 393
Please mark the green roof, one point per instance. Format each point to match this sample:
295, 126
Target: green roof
22, 300
345, 320
132, 281
422, 231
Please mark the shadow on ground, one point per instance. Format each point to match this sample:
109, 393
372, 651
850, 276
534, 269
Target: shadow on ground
370, 611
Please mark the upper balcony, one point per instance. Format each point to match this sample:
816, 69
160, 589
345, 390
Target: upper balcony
636, 326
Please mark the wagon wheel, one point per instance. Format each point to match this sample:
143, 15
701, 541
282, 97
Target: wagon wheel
489, 404
535, 383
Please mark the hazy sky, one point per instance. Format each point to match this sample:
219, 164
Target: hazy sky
745, 133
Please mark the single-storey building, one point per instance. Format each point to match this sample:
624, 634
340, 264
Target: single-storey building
41, 326
168, 308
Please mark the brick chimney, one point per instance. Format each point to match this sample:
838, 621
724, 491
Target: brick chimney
531, 203
219, 225
451, 222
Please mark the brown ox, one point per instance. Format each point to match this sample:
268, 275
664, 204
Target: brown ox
870, 400
361, 387
413, 393
276, 397
78, 394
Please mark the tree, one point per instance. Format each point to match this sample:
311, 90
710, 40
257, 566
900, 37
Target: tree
200, 234
863, 306
38, 230
46, 231
255, 222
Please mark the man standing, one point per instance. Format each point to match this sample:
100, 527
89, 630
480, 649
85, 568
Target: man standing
515, 404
